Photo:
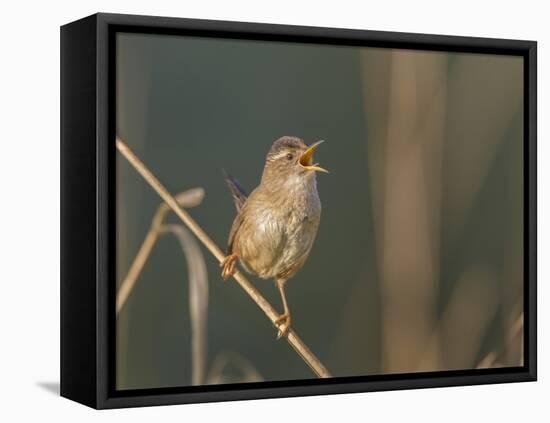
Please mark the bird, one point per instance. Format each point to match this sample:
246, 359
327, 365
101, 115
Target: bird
276, 225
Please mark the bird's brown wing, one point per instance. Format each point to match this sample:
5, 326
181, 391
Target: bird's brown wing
237, 223
237, 192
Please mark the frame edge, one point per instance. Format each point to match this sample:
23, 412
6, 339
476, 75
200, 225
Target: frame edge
78, 211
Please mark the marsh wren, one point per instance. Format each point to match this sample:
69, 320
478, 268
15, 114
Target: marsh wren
276, 225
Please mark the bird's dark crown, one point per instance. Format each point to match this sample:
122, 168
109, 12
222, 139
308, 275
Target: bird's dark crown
284, 144
290, 156
282, 159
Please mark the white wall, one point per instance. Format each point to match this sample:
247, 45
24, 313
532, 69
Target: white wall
29, 177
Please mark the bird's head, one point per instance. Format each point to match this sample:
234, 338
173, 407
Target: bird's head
290, 156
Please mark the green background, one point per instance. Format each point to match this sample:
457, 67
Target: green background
420, 242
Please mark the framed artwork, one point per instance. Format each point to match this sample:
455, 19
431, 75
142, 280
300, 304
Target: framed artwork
257, 211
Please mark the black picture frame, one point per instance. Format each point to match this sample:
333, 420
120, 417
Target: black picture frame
87, 210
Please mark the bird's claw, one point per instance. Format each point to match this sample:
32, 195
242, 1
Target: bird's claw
283, 324
228, 265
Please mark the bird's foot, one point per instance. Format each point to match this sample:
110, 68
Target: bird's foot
283, 324
228, 266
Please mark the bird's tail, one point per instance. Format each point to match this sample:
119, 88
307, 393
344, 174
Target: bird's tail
237, 192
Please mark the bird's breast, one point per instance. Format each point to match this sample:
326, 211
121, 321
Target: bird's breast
280, 233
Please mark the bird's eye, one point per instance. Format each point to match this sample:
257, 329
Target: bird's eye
289, 156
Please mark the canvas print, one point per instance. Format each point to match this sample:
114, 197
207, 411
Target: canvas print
287, 211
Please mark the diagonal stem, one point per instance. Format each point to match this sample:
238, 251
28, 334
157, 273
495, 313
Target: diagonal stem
303, 351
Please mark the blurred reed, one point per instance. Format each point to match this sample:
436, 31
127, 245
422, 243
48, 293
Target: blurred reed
435, 124
197, 277
227, 361
198, 299
408, 179
187, 199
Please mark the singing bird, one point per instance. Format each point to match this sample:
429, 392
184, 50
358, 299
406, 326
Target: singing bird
276, 225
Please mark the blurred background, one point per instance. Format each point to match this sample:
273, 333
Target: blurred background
418, 263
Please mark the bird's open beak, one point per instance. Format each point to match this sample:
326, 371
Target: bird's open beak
306, 159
